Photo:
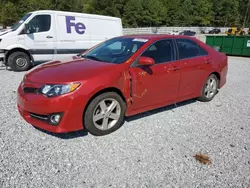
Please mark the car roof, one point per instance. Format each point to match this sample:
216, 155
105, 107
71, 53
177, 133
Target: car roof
156, 36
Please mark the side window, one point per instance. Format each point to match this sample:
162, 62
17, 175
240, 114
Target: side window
203, 52
40, 23
161, 51
188, 48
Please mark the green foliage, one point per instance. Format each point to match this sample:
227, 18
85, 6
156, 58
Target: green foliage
173, 12
202, 12
153, 13
186, 13
141, 13
226, 12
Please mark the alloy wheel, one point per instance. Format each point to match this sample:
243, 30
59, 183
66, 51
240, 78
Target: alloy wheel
106, 114
211, 88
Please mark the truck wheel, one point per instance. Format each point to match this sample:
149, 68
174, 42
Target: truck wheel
19, 61
105, 114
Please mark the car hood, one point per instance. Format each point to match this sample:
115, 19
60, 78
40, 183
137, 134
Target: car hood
68, 70
4, 31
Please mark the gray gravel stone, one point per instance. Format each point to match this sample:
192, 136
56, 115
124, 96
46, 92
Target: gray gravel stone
154, 149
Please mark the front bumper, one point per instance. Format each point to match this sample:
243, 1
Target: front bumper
70, 105
2, 58
2, 55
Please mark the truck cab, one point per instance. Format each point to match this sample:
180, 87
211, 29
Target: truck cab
43, 36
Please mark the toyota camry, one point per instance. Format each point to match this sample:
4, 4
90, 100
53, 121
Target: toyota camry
120, 77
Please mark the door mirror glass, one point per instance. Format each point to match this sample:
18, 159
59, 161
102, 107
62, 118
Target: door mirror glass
26, 29
146, 61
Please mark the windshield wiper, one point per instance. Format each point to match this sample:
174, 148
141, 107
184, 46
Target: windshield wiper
92, 57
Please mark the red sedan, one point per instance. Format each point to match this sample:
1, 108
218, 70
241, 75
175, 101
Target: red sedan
120, 77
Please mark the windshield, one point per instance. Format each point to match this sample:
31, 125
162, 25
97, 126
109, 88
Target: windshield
116, 50
17, 25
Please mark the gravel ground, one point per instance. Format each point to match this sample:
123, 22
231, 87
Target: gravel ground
154, 149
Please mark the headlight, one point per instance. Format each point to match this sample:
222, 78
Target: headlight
59, 89
24, 78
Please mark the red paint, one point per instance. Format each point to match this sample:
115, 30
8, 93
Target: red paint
146, 61
152, 86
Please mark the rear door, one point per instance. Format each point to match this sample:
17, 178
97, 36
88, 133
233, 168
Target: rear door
159, 83
192, 59
41, 37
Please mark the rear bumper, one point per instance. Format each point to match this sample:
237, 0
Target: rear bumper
69, 105
223, 76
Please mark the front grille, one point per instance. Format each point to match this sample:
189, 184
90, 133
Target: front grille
40, 117
31, 90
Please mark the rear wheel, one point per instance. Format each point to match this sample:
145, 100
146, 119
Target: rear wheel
210, 88
19, 61
105, 114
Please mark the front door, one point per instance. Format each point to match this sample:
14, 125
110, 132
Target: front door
159, 83
41, 37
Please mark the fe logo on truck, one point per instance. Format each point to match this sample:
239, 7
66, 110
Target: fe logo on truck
79, 27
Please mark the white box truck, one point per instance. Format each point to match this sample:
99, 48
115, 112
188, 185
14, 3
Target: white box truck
46, 35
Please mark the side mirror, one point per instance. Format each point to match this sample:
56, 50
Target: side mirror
217, 48
146, 61
26, 29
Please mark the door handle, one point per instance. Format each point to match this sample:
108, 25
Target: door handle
49, 37
175, 68
208, 61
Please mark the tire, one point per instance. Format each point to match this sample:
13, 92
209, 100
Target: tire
100, 107
208, 93
19, 61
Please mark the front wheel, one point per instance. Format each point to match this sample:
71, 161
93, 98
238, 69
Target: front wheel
210, 88
19, 61
105, 114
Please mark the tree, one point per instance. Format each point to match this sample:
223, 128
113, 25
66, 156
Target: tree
153, 13
225, 12
172, 12
202, 12
9, 13
244, 11
105, 7
141, 13
133, 11
187, 8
